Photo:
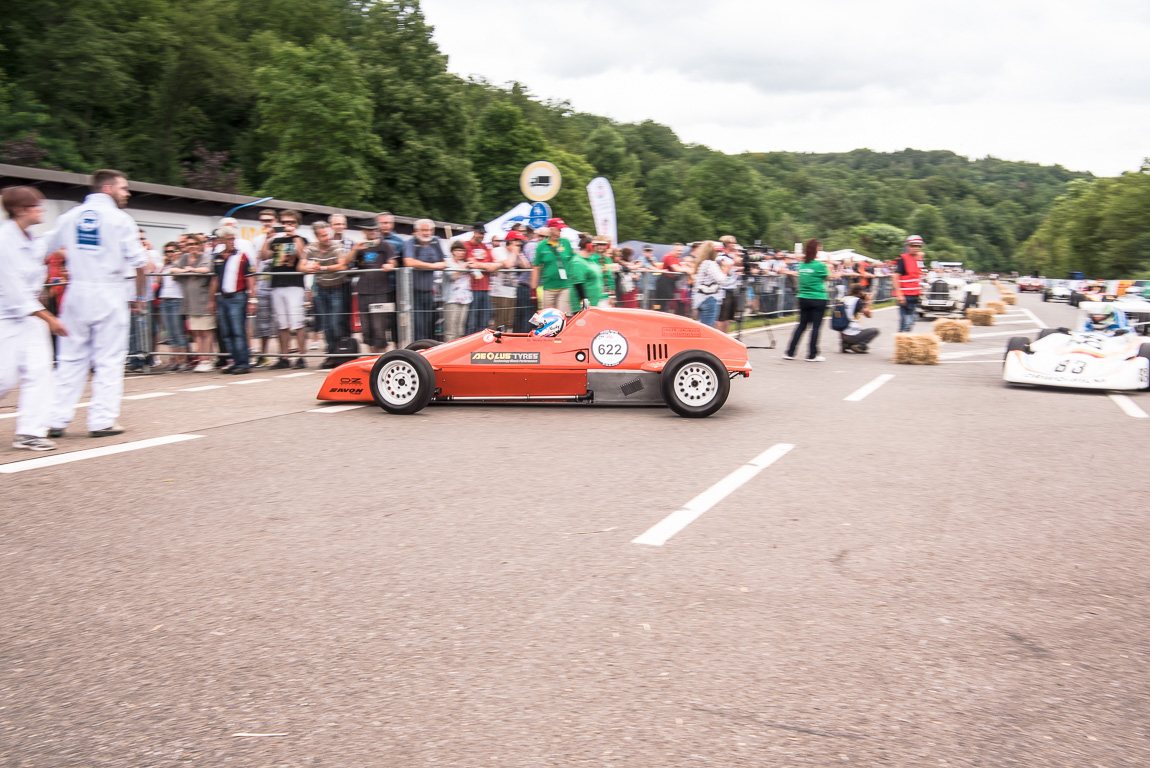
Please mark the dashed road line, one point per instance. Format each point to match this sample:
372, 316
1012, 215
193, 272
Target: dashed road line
147, 395
294, 375
972, 353
91, 453
335, 408
1128, 406
1013, 332
202, 389
661, 532
867, 389
1035, 318
248, 381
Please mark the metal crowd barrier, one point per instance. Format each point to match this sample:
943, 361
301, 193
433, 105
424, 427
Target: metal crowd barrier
764, 296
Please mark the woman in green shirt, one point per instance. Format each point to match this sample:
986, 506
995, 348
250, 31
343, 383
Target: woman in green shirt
813, 275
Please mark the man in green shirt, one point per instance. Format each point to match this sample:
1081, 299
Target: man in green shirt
554, 261
586, 282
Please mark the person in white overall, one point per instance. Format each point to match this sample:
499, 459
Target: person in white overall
25, 344
100, 240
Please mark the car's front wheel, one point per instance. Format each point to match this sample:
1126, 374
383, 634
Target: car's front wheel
402, 381
695, 384
1017, 344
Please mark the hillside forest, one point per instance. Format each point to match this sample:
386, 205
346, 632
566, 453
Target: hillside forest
350, 103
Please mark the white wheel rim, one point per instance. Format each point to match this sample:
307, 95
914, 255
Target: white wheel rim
696, 384
398, 382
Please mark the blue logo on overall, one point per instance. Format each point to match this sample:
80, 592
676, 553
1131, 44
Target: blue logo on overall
88, 230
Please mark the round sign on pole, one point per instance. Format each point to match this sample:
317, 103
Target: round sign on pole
540, 181
540, 213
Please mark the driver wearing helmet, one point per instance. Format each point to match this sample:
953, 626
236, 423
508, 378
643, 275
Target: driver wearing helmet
1106, 319
548, 322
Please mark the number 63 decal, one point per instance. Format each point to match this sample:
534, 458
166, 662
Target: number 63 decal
1078, 367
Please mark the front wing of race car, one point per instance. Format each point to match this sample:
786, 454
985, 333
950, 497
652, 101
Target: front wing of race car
1054, 363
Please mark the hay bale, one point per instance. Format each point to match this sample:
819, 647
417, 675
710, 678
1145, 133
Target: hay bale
952, 331
1009, 298
997, 307
916, 349
980, 316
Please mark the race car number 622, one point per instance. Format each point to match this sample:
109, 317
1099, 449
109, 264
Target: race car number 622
609, 348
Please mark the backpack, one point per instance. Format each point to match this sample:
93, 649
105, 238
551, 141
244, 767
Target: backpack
840, 321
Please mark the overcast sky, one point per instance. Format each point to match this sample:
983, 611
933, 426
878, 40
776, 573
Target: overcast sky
1049, 82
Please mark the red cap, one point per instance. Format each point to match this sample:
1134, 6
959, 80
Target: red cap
513, 235
556, 222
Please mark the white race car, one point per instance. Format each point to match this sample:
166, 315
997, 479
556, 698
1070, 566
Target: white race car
1059, 291
1137, 308
1079, 359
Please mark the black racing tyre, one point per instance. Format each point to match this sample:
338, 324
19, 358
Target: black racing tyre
422, 344
695, 384
1045, 296
1050, 331
1018, 343
402, 381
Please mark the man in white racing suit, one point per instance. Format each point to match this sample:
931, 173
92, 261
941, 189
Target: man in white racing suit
100, 241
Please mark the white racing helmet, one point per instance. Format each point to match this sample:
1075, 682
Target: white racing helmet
548, 322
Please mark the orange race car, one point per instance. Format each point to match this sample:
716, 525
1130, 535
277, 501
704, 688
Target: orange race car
600, 356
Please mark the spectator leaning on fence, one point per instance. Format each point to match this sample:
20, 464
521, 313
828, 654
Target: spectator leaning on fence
482, 264
376, 288
424, 254
196, 285
732, 261
552, 267
233, 289
812, 295
503, 283
172, 307
708, 286
524, 296
264, 326
327, 260
667, 283
25, 325
456, 293
284, 253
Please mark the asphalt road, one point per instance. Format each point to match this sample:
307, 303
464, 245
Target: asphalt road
946, 572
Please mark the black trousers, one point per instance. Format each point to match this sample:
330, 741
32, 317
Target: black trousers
865, 336
811, 312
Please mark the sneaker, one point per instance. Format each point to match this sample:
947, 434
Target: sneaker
204, 366
301, 363
228, 369
55, 431
281, 364
33, 443
260, 363
239, 371
115, 429
219, 363
788, 357
328, 363
819, 359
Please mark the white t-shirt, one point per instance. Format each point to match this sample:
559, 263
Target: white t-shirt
851, 304
170, 287
153, 265
502, 283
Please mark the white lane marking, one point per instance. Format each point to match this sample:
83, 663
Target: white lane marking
147, 395
293, 375
661, 532
1013, 332
1035, 318
973, 353
865, 390
91, 453
335, 408
203, 389
1018, 322
1129, 407
250, 381
962, 362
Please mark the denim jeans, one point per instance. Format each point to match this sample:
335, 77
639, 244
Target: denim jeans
233, 314
709, 311
423, 308
907, 313
174, 322
329, 313
479, 314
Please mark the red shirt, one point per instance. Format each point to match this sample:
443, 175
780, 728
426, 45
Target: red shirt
482, 254
670, 260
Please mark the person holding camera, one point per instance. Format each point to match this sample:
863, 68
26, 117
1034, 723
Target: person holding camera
855, 338
284, 252
376, 285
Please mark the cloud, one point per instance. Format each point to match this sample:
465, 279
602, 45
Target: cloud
1054, 82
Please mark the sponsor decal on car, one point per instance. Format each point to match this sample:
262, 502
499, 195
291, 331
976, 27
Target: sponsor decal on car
609, 348
681, 333
347, 390
346, 380
505, 358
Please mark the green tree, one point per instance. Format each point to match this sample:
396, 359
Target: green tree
315, 115
882, 241
503, 146
687, 222
729, 194
633, 217
927, 222
607, 152
572, 203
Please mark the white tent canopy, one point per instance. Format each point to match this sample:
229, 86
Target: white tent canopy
844, 255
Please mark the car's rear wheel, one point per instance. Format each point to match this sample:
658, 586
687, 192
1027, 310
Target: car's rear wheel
422, 344
695, 384
1018, 344
1045, 296
402, 381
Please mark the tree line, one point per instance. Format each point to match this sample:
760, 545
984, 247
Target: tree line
350, 103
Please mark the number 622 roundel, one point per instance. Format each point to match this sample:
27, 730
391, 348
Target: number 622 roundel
609, 348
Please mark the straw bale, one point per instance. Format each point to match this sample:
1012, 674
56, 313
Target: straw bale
997, 307
980, 316
1009, 298
952, 331
916, 349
